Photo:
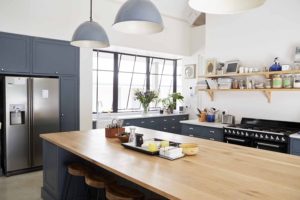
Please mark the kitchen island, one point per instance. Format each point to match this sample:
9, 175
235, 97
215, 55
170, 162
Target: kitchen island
219, 171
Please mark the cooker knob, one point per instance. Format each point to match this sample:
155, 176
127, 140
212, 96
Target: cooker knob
277, 138
271, 137
282, 139
267, 137
261, 136
242, 133
256, 135
225, 130
229, 131
246, 134
233, 131
238, 133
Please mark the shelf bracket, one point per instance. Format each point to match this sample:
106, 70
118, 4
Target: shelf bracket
211, 95
268, 94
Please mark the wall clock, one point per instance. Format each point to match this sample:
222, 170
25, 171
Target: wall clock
190, 71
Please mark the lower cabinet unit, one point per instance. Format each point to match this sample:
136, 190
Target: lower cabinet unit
204, 132
169, 124
295, 146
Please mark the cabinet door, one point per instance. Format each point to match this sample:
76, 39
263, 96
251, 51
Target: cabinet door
14, 53
295, 146
69, 104
55, 57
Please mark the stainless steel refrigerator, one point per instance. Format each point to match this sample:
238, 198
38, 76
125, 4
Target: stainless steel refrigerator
31, 108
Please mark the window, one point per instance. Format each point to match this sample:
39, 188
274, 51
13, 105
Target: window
132, 72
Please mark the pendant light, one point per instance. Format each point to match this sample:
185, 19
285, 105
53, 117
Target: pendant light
224, 6
90, 34
138, 17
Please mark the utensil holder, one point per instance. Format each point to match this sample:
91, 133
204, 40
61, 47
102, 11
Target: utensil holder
113, 132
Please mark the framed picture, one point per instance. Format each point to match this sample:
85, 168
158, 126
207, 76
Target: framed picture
231, 67
210, 67
190, 71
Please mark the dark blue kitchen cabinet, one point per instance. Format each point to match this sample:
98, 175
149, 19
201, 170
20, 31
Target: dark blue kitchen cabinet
69, 103
295, 146
202, 132
54, 57
161, 123
15, 53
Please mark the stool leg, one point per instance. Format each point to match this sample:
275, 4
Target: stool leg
98, 194
67, 186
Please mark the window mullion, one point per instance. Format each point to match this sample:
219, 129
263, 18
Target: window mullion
116, 82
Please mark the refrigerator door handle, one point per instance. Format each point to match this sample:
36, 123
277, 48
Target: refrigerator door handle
29, 108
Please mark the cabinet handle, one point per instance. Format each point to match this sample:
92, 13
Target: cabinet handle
165, 128
211, 131
173, 119
173, 127
2, 69
127, 123
191, 128
212, 139
152, 121
165, 120
191, 135
142, 122
56, 72
62, 114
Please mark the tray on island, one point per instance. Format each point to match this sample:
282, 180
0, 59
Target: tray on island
146, 151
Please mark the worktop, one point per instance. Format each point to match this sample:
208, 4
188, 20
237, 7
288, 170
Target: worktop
207, 124
219, 171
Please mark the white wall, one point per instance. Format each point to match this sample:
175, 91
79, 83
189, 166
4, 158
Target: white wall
191, 97
255, 38
58, 19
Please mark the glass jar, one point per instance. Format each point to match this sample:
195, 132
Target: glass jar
287, 81
241, 84
235, 84
268, 83
277, 81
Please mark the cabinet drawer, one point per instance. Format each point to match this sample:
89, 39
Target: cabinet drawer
203, 132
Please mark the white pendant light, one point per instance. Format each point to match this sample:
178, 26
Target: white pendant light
90, 34
138, 17
224, 6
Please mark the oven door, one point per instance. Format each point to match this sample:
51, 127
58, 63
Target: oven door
237, 140
278, 147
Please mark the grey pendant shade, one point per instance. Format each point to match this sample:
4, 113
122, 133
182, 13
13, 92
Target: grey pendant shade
138, 17
90, 34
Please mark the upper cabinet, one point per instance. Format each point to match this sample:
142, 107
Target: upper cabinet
55, 57
14, 53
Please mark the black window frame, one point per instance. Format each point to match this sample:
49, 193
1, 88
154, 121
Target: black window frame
116, 67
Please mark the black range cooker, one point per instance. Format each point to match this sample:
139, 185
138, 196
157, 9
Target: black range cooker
262, 134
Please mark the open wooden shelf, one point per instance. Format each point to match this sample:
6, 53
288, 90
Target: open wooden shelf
266, 74
267, 92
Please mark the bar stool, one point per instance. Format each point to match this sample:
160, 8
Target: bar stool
119, 192
98, 181
74, 170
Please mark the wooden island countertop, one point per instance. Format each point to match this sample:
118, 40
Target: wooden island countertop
219, 171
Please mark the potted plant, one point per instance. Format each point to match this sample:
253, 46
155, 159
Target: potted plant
169, 103
145, 98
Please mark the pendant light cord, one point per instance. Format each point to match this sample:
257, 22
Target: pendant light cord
91, 10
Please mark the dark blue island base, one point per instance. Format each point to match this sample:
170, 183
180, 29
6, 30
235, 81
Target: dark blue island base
55, 164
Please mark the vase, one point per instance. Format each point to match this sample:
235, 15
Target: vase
145, 109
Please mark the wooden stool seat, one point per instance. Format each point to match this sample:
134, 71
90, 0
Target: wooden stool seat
119, 192
95, 180
77, 169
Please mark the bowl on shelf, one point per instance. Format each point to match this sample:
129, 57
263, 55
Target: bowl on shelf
189, 148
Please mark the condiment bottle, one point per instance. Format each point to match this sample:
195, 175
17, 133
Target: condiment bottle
132, 136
